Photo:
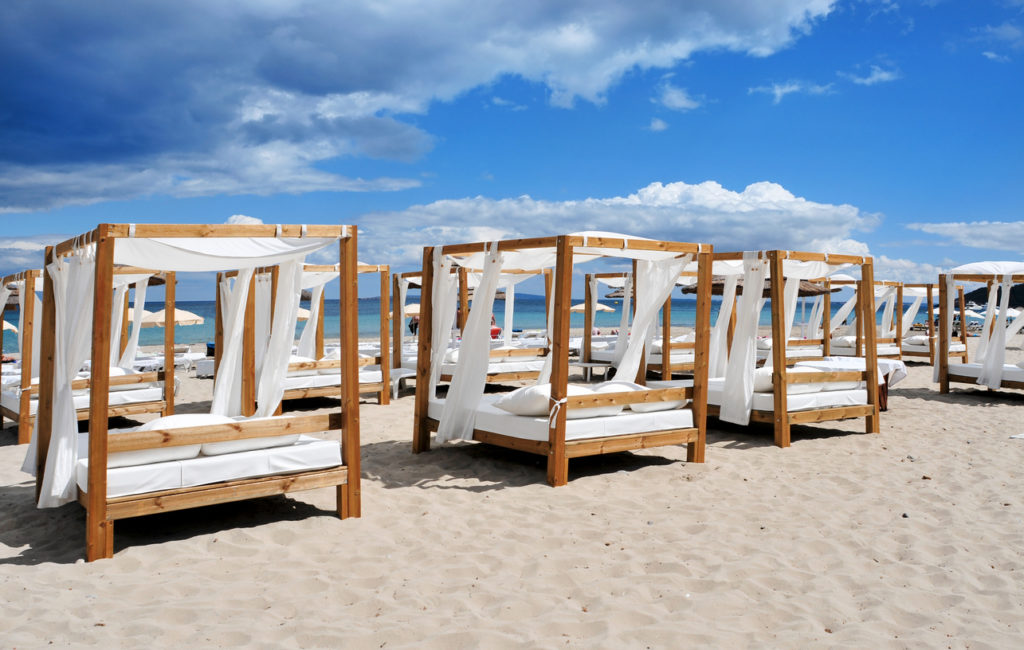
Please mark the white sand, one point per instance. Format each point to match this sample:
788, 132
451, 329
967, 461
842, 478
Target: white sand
911, 538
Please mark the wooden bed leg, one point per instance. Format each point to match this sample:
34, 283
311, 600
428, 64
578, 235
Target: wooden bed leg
99, 538
782, 430
25, 428
558, 469
341, 503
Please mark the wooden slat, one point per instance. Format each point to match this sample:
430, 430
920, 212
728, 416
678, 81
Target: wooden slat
615, 444
421, 432
260, 428
47, 344
558, 462
780, 399
837, 413
350, 498
384, 396
797, 377
650, 396
540, 447
99, 533
518, 352
168, 501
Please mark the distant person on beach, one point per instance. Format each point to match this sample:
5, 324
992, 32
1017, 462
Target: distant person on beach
7, 359
414, 324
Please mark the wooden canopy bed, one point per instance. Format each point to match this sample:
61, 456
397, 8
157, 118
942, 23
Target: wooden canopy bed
554, 431
926, 345
164, 466
853, 345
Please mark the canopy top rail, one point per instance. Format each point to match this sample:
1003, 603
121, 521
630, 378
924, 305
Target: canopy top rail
985, 277
578, 241
800, 256
618, 274
169, 231
362, 268
22, 276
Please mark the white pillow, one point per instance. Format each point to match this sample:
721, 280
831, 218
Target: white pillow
917, 339
165, 454
451, 356
533, 401
685, 338
845, 341
763, 380
333, 355
247, 444
622, 386
122, 372
599, 345
301, 373
764, 344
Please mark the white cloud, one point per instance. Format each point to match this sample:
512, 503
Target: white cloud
876, 76
1007, 33
658, 124
999, 58
904, 270
19, 254
763, 215
243, 219
780, 90
676, 99
992, 235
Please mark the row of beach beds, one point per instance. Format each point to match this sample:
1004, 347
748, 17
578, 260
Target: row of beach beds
246, 447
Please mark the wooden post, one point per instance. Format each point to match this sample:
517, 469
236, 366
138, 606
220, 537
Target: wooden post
826, 321
931, 324
867, 271
218, 334
384, 397
124, 326
349, 495
47, 345
421, 432
944, 336
588, 320
99, 531
463, 299
666, 339
319, 344
558, 462
170, 318
248, 402
28, 326
781, 400
702, 339
899, 320
963, 319
547, 292
862, 328
397, 322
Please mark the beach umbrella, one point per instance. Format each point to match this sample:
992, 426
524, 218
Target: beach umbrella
412, 309
806, 288
583, 307
181, 317
9, 326
303, 313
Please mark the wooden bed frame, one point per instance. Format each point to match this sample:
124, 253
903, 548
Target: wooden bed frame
102, 511
932, 339
861, 334
783, 376
556, 448
381, 388
945, 376
23, 415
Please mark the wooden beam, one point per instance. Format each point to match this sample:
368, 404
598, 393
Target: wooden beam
397, 322
384, 397
779, 389
169, 325
248, 398
944, 335
424, 391
47, 345
99, 542
558, 462
350, 499
702, 338
867, 271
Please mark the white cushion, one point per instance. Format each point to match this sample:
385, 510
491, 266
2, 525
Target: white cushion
917, 339
122, 372
763, 381
533, 401
685, 338
247, 444
621, 386
165, 454
333, 355
451, 356
845, 341
599, 345
301, 373
764, 344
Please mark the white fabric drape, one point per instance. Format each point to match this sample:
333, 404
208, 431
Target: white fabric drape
718, 348
5, 293
138, 311
37, 327
73, 279
227, 384
198, 254
790, 296
990, 315
995, 351
888, 299
261, 316
276, 356
623, 337
910, 315
458, 418
444, 298
399, 313
545, 370
307, 340
510, 307
817, 317
655, 281
844, 312
738, 387
116, 318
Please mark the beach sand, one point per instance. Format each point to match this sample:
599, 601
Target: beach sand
910, 538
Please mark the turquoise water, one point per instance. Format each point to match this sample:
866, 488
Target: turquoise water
529, 314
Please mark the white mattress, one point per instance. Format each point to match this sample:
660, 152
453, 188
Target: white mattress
678, 356
801, 402
498, 367
490, 418
117, 398
889, 349
320, 381
953, 347
1010, 372
795, 352
307, 453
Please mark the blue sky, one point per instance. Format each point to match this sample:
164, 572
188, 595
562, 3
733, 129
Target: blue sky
865, 126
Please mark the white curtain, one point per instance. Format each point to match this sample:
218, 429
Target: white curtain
5, 293
655, 281
37, 323
888, 297
844, 312
270, 388
261, 318
399, 314
510, 307
990, 315
307, 340
227, 384
623, 338
718, 348
73, 280
910, 315
445, 295
116, 318
458, 418
738, 387
138, 310
545, 371
817, 316
995, 353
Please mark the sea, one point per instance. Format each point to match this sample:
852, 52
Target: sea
529, 315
